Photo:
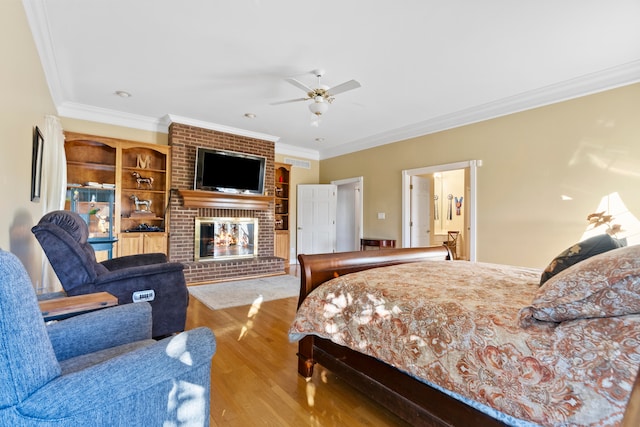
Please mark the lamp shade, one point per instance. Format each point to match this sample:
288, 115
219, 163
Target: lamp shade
318, 108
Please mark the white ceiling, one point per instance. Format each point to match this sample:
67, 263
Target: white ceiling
424, 65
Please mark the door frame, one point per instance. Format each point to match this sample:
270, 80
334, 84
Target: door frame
471, 205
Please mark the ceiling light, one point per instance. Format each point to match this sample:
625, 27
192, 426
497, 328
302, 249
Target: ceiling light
318, 108
250, 115
123, 94
319, 139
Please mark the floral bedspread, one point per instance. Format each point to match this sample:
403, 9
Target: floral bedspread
456, 325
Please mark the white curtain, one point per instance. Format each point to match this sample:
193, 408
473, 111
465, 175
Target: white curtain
54, 186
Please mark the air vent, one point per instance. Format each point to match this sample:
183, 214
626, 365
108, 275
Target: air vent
296, 163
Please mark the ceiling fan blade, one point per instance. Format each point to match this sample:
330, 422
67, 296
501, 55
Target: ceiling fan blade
351, 84
288, 101
299, 84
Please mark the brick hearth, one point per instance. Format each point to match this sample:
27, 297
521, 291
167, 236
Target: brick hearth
184, 140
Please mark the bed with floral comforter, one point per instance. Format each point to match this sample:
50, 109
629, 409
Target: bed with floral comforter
565, 353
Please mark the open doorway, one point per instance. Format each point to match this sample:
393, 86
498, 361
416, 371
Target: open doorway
349, 214
437, 230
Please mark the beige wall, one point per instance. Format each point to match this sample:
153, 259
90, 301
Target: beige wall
24, 103
585, 148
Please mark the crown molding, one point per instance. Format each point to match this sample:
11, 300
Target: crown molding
36, 13
563, 91
611, 78
171, 118
292, 150
113, 117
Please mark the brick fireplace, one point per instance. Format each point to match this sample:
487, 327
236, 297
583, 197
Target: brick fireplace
184, 140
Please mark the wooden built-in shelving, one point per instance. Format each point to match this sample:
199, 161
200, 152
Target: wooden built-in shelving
281, 211
103, 160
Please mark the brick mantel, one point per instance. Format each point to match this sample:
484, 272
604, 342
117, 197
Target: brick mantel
212, 199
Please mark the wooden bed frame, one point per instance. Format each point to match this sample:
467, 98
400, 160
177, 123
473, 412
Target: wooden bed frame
407, 397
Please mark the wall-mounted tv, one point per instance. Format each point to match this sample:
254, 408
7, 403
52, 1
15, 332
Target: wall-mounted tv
228, 171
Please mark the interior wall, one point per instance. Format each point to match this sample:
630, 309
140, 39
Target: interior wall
583, 148
24, 103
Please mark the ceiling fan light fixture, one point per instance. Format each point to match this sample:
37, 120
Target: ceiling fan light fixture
322, 95
318, 108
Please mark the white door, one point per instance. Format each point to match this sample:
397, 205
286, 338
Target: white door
420, 212
316, 219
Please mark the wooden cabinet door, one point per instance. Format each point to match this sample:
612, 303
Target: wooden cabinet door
129, 244
142, 243
282, 245
155, 242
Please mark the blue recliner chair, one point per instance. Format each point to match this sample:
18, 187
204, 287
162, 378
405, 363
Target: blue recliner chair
63, 236
96, 369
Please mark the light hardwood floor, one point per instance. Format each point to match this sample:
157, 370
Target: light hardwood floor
254, 381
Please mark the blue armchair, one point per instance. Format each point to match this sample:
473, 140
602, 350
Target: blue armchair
96, 369
63, 236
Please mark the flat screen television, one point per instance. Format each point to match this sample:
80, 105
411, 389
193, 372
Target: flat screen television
230, 172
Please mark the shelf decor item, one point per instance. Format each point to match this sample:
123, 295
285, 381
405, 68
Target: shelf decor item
141, 205
36, 165
140, 180
143, 161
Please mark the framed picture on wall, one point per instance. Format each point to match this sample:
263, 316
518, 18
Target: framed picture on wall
36, 165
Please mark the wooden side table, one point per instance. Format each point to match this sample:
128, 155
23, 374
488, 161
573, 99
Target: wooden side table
378, 243
61, 308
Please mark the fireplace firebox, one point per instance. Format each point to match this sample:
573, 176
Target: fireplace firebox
223, 238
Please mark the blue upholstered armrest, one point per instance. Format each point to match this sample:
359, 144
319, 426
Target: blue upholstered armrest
98, 330
118, 389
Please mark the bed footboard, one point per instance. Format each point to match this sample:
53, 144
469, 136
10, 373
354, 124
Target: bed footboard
317, 269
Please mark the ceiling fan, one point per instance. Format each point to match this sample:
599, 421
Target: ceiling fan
322, 96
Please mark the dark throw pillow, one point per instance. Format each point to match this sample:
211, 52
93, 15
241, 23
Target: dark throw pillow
604, 285
580, 251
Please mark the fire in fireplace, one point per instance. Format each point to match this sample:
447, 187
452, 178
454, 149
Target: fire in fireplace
225, 238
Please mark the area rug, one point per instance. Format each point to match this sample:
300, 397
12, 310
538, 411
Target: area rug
245, 292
